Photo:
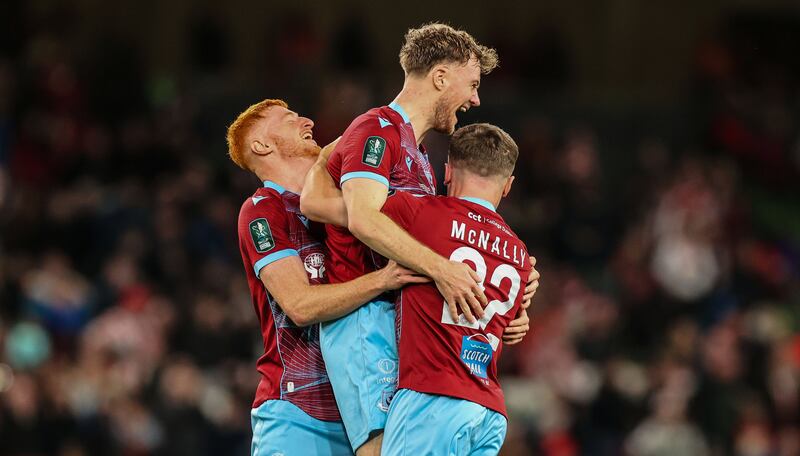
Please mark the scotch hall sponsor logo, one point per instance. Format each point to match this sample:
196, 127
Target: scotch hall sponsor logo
476, 354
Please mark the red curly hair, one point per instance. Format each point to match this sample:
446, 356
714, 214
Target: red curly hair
238, 130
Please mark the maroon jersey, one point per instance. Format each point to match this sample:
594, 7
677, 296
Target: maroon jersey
379, 145
439, 355
271, 228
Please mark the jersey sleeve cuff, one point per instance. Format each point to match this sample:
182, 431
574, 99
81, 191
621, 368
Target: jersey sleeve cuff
273, 257
365, 175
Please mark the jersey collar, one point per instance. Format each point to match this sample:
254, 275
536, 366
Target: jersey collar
399, 109
479, 201
274, 186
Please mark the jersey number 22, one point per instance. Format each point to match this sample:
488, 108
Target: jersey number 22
495, 306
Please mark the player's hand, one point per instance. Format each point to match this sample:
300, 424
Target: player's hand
458, 283
395, 276
517, 329
531, 286
326, 151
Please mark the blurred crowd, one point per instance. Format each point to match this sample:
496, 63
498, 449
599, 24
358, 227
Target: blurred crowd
667, 322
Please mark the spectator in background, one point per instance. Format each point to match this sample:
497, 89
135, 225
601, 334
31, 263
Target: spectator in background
673, 276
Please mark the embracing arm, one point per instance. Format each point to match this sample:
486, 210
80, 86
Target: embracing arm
287, 281
321, 201
456, 281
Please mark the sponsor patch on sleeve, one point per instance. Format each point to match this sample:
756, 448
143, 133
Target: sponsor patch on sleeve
374, 148
476, 354
262, 235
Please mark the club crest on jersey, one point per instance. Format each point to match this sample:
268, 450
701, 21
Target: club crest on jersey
386, 399
262, 235
315, 265
373, 151
476, 354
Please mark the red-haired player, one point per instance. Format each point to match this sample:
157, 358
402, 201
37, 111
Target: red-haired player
294, 411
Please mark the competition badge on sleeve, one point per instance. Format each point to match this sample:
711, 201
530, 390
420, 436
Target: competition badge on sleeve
373, 151
262, 236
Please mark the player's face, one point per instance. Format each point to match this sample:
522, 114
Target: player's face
460, 95
291, 134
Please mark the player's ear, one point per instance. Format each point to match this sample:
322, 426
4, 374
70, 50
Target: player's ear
507, 187
261, 148
439, 75
448, 173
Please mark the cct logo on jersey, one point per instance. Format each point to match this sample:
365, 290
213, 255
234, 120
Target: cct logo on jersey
373, 151
315, 265
476, 354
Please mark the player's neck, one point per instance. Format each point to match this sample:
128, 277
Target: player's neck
290, 174
418, 108
475, 188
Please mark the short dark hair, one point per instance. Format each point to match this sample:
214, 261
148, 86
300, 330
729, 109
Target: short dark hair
436, 43
483, 149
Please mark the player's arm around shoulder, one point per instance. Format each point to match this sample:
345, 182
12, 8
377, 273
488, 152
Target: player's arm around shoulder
457, 282
364, 197
321, 201
365, 149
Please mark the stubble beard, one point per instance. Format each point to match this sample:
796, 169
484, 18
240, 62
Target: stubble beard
299, 148
310, 150
442, 115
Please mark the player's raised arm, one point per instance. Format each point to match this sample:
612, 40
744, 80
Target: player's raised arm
306, 304
321, 201
457, 282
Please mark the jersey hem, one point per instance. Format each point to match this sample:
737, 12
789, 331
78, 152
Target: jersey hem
500, 410
258, 403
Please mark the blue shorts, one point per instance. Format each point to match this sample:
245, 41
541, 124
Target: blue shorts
360, 352
422, 423
280, 427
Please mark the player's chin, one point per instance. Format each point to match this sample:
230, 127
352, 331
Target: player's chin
449, 128
312, 150
453, 121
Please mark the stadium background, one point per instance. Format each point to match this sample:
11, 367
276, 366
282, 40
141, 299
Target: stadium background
657, 185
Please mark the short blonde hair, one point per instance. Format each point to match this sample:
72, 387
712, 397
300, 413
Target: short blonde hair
436, 43
483, 149
238, 130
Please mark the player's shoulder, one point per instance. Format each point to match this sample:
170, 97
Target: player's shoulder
405, 207
497, 220
263, 202
376, 121
449, 202
477, 211
411, 197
